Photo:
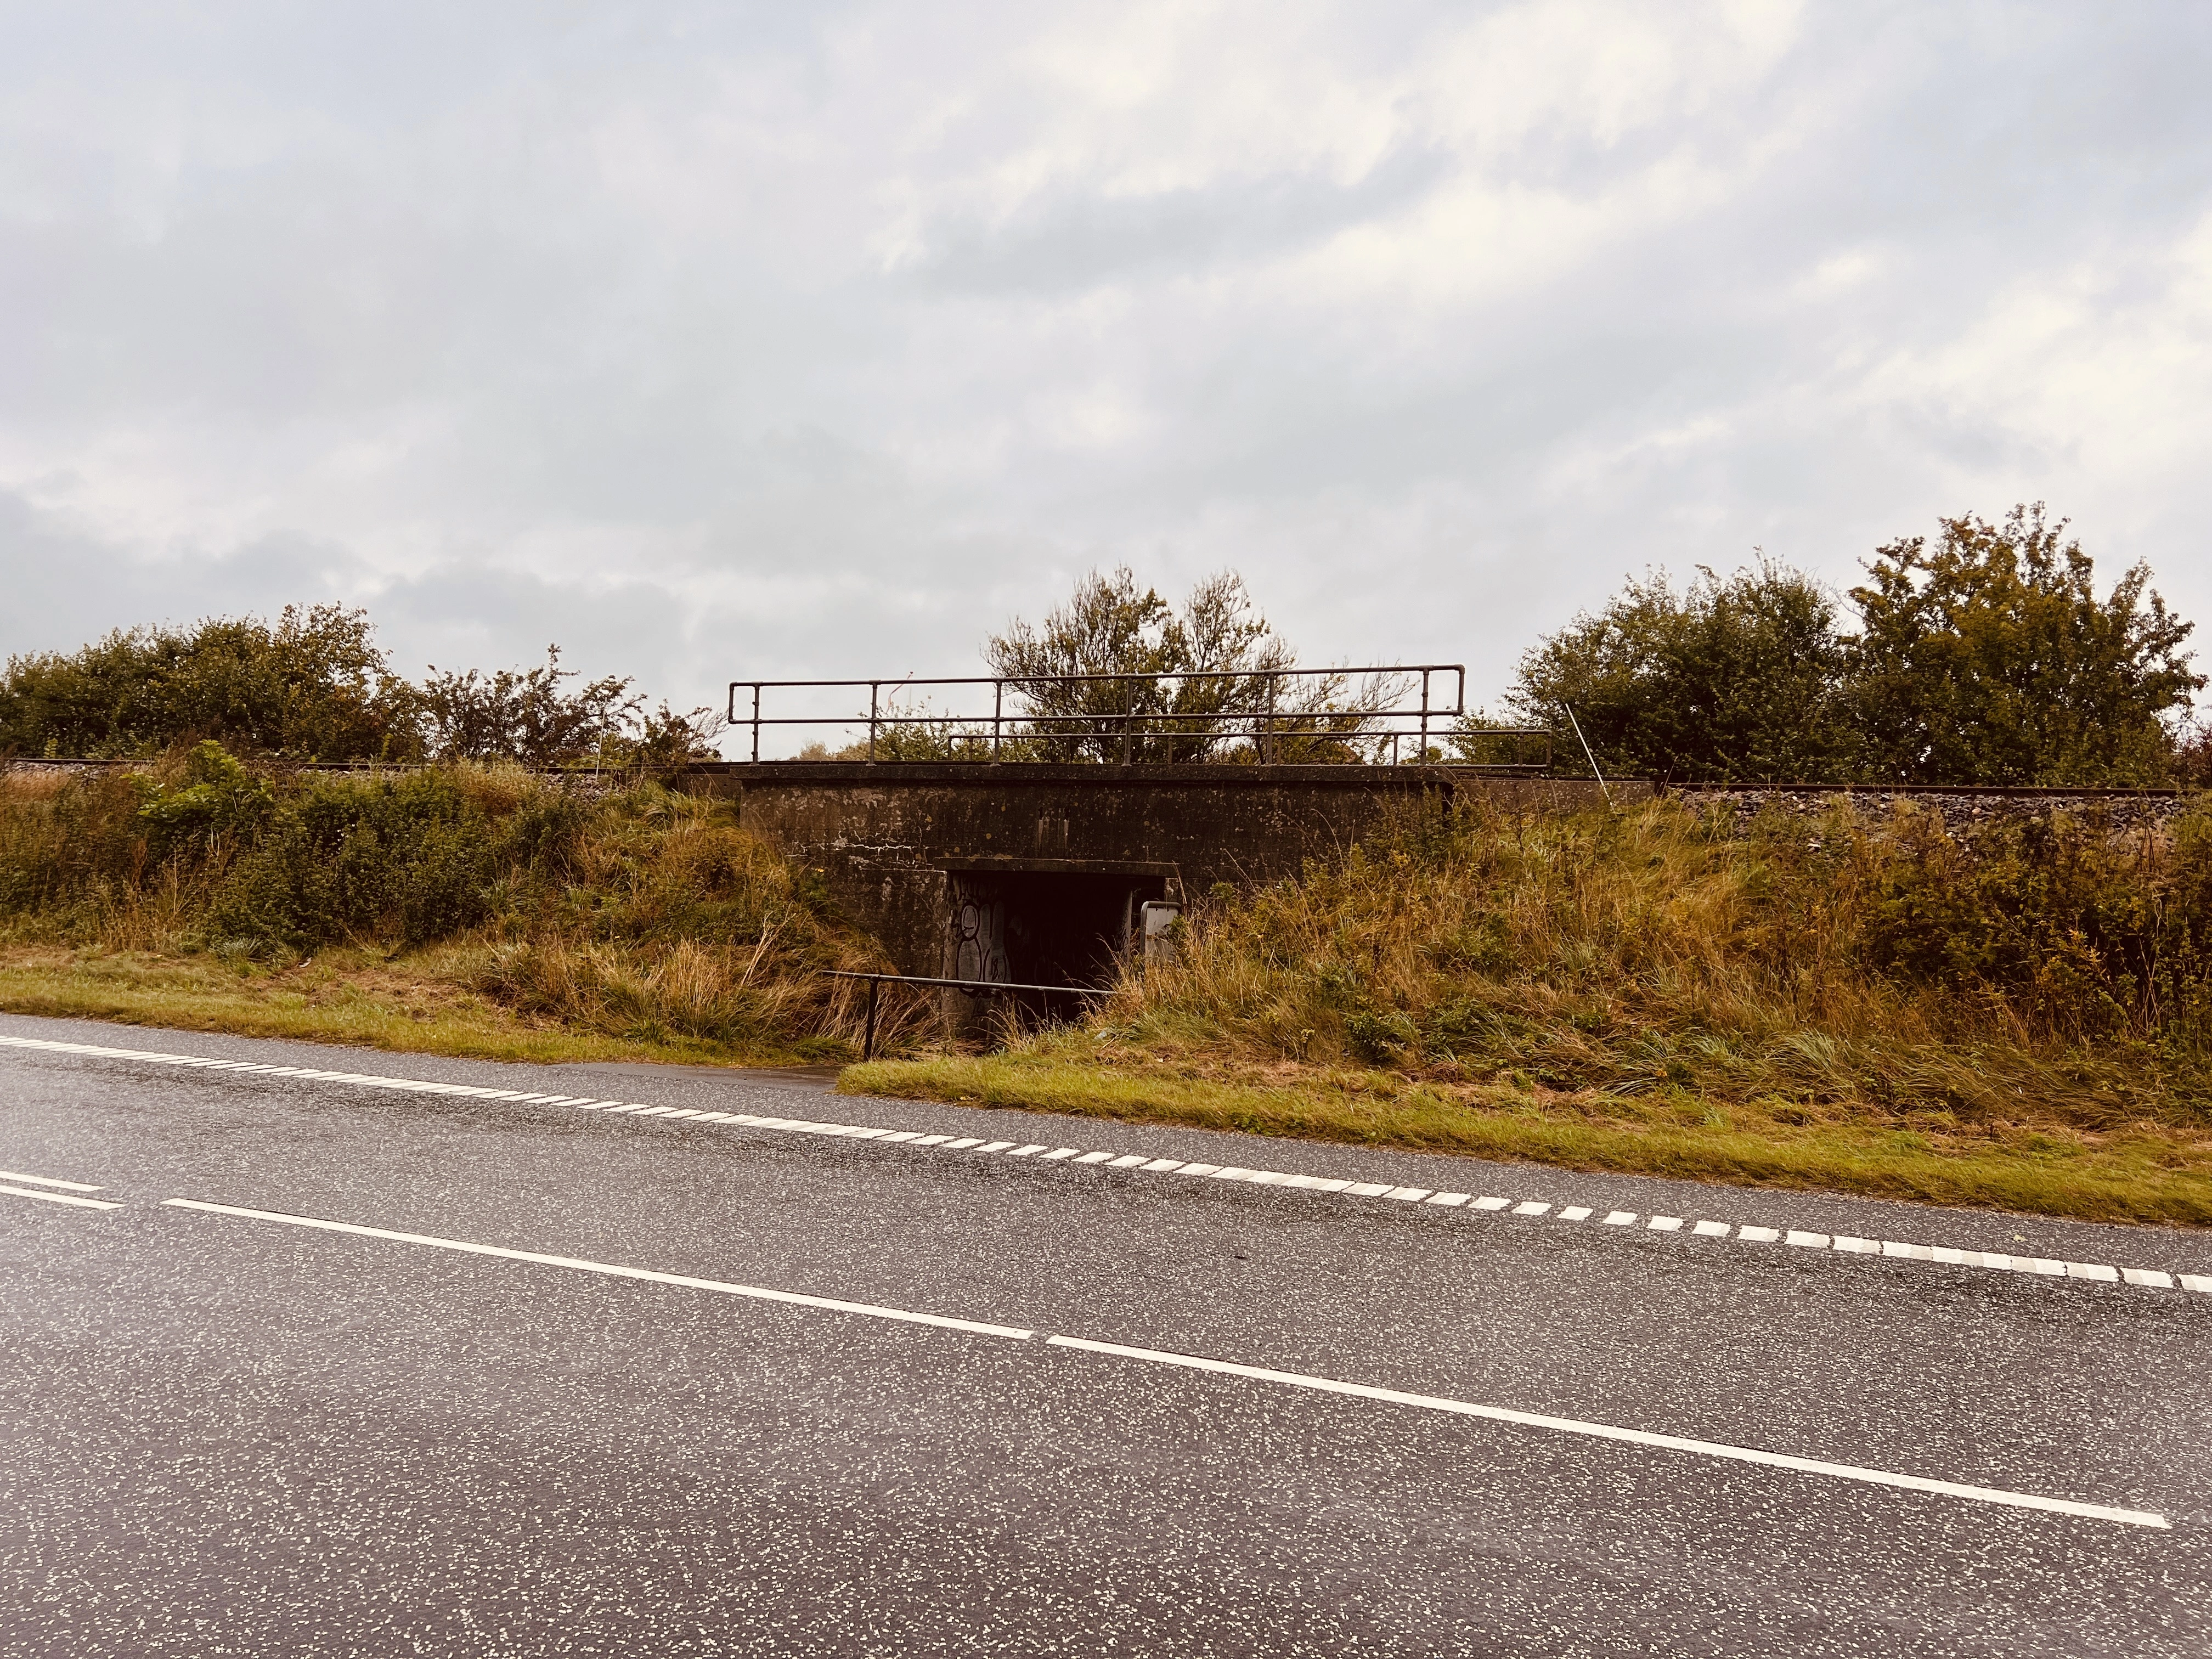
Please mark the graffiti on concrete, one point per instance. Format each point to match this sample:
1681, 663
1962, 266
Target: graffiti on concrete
979, 939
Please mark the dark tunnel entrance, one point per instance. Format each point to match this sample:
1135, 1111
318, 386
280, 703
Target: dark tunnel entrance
1046, 927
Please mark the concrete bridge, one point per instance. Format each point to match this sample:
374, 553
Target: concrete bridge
1034, 873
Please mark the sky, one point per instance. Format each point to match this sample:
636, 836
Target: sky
734, 341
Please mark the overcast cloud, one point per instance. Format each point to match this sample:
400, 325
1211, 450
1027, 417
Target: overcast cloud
728, 340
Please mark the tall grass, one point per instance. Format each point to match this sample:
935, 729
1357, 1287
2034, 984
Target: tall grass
2045, 971
641, 914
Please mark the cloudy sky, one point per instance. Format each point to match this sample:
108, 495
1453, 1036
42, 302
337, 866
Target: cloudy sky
779, 340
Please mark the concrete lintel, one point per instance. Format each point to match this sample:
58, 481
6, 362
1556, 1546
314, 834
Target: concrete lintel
988, 862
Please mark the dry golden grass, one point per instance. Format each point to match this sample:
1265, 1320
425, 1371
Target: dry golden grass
1646, 991
644, 919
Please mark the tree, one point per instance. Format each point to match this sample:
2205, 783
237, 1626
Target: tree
1199, 679
526, 715
1734, 679
312, 687
1987, 658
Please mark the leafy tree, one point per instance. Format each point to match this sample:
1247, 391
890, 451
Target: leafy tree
1987, 658
311, 687
667, 742
1206, 678
1725, 679
527, 715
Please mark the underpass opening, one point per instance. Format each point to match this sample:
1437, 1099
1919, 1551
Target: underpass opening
1044, 928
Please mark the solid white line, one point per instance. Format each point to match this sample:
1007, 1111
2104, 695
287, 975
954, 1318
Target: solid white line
47, 1180
1192, 1362
866, 1309
61, 1198
1630, 1436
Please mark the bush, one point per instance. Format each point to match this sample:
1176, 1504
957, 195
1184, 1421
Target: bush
313, 686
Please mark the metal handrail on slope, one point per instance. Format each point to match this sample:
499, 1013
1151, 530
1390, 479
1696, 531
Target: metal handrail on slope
973, 987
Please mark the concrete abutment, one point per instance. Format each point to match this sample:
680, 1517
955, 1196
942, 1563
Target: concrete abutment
1038, 874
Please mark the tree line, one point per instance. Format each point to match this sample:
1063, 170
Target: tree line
1984, 654
313, 686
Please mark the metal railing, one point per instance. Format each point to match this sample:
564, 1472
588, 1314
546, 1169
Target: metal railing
1161, 718
978, 987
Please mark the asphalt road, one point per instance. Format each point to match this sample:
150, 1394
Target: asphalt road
235, 1434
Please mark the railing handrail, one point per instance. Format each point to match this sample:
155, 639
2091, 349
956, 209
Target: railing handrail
1265, 727
1156, 674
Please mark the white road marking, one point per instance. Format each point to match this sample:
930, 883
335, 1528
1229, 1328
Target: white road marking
867, 1310
1607, 1431
48, 1181
2147, 1278
1630, 1436
61, 1198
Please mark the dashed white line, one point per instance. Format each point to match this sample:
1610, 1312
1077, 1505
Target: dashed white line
47, 1180
70, 1199
1532, 1210
1607, 1431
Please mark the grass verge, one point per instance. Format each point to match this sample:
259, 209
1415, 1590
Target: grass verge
2145, 1173
359, 998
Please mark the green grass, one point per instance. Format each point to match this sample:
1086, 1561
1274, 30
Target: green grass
409, 1005
2146, 1174
417, 1003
